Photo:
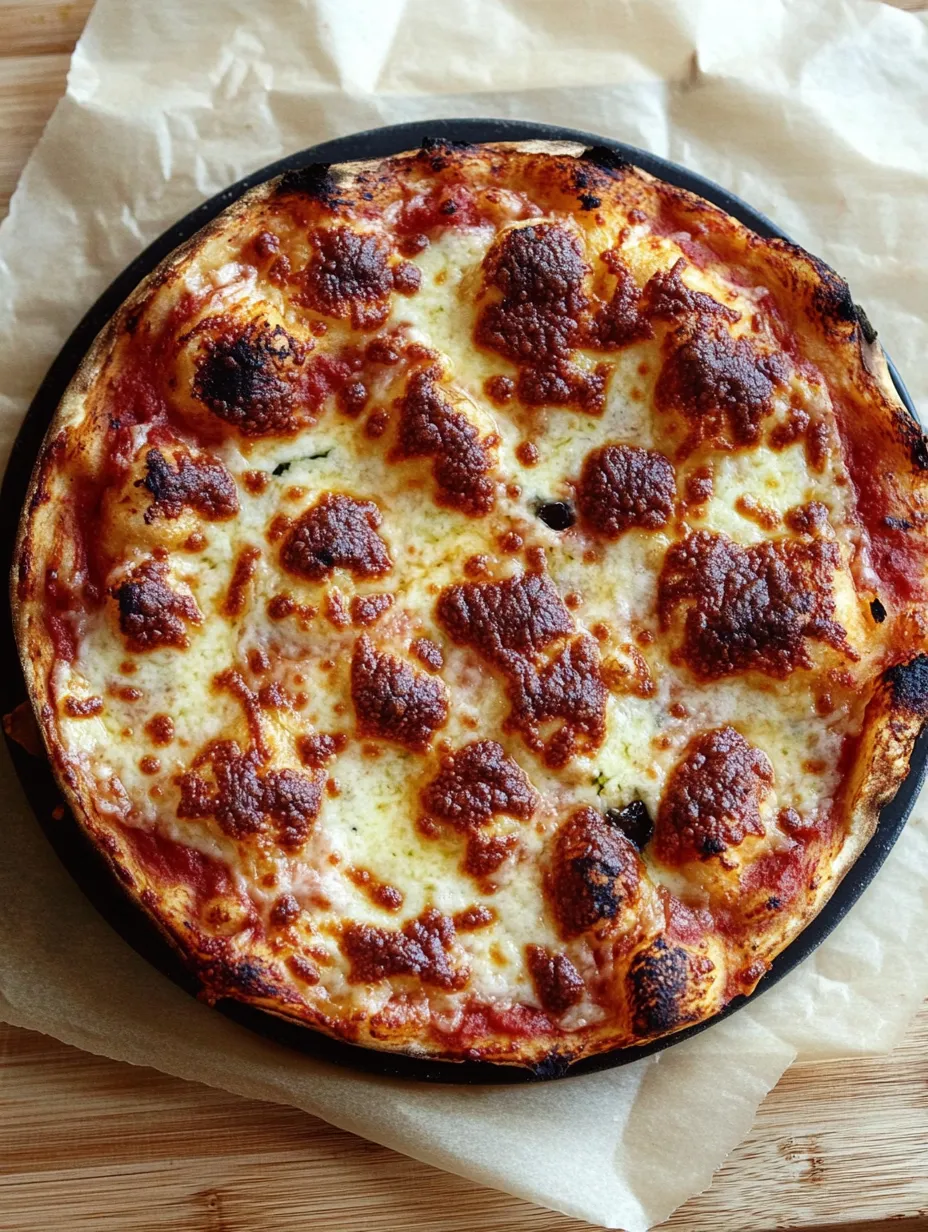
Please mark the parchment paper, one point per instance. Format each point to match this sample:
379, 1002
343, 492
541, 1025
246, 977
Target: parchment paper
818, 115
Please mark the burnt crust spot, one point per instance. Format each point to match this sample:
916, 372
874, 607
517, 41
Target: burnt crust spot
314, 180
604, 158
439, 152
338, 532
557, 982
832, 297
909, 685
540, 270
150, 613
223, 976
712, 798
658, 988
244, 799
202, 484
430, 427
555, 1065
751, 608
245, 376
866, 328
394, 702
420, 949
919, 450
594, 873
622, 486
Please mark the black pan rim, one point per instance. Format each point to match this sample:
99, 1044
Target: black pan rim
69, 841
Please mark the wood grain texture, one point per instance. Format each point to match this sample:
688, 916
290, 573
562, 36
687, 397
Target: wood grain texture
88, 1143
91, 1145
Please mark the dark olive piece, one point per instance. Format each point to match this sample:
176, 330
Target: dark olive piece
559, 515
877, 611
634, 821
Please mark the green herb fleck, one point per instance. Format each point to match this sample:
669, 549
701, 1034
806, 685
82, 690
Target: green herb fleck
281, 467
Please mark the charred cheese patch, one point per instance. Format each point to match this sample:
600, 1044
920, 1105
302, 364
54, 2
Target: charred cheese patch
474, 621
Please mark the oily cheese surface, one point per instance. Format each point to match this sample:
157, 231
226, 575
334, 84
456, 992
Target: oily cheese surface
475, 600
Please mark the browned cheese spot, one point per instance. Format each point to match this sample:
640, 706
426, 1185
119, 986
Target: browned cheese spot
247, 376
160, 729
394, 702
286, 909
380, 893
810, 519
622, 486
237, 595
419, 950
721, 385
539, 270
621, 321
594, 873
202, 484
755, 511
430, 427
557, 982
750, 608
473, 918
349, 276
666, 297
320, 748
474, 785
505, 621
700, 485
510, 623
246, 799
712, 798
428, 653
367, 609
82, 707
150, 613
338, 532
499, 389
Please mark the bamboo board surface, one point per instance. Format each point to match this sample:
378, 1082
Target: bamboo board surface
92, 1144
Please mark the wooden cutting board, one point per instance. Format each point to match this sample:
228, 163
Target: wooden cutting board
87, 1143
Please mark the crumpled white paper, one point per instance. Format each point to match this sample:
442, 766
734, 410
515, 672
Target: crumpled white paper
816, 114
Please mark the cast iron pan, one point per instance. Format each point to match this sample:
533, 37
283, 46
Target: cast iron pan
81, 858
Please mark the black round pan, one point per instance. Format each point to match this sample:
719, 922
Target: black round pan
69, 841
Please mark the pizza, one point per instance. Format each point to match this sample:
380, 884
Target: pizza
475, 601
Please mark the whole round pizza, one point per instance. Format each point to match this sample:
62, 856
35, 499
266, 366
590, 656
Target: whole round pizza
475, 600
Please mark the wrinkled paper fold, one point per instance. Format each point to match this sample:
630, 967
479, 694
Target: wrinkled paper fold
817, 115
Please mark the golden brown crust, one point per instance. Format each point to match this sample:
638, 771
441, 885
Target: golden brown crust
665, 976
